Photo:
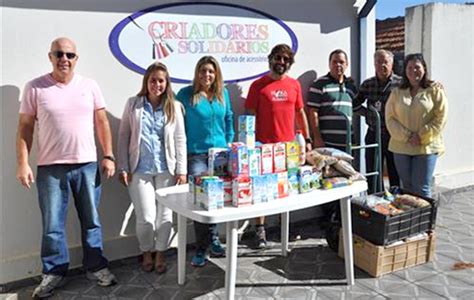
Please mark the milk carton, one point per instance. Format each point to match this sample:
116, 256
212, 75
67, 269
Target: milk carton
218, 162
271, 186
246, 123
255, 158
279, 157
282, 184
267, 158
306, 179
293, 183
210, 194
316, 179
258, 189
238, 160
292, 156
241, 191
227, 183
248, 138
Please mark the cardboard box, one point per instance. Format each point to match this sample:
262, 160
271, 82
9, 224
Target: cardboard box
218, 162
380, 260
266, 158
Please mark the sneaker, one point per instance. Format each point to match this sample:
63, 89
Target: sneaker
199, 259
103, 277
46, 287
261, 237
217, 249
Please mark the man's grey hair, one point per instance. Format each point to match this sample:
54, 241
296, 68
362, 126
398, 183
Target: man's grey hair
383, 52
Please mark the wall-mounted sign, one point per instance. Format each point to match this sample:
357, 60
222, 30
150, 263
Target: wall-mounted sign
179, 34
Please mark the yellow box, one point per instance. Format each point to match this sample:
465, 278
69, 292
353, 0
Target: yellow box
379, 260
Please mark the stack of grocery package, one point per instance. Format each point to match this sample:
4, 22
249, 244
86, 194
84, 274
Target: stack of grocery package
392, 231
248, 173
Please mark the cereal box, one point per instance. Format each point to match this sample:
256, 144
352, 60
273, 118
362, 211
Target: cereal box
218, 162
238, 160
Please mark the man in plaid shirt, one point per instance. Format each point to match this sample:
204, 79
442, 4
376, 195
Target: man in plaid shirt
376, 91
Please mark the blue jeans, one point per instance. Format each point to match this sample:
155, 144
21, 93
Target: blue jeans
416, 172
205, 233
55, 184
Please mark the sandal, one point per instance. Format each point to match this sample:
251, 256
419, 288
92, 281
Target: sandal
147, 261
160, 262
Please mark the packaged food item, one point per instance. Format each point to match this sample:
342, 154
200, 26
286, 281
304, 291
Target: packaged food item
258, 189
279, 157
255, 161
271, 185
227, 183
293, 183
246, 123
248, 138
267, 158
330, 183
344, 167
241, 191
305, 179
282, 184
238, 160
292, 156
409, 201
210, 193
218, 161
300, 140
335, 153
316, 179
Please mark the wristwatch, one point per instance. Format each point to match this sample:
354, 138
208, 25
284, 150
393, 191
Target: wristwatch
109, 157
308, 141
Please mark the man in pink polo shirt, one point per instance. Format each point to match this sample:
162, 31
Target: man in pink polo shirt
67, 108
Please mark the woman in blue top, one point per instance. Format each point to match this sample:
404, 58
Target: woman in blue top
209, 123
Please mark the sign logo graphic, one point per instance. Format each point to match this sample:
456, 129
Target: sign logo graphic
179, 34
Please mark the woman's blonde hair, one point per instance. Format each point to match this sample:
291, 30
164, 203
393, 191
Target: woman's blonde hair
167, 98
217, 87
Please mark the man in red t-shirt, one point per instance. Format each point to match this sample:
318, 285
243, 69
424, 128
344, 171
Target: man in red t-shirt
276, 101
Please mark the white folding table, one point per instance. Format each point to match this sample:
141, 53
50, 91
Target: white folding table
178, 199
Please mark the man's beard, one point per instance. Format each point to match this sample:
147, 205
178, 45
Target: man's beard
279, 69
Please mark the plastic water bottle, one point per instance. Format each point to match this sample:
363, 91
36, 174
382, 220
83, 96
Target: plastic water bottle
302, 145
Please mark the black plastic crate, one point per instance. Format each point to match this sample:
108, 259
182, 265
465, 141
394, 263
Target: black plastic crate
382, 230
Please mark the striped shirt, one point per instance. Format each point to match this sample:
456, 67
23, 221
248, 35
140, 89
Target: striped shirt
333, 102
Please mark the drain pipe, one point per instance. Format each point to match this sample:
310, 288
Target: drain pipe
366, 26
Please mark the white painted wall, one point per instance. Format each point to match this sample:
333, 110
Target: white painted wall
444, 34
29, 26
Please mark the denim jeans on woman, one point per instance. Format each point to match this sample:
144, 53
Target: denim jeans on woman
55, 184
205, 233
416, 172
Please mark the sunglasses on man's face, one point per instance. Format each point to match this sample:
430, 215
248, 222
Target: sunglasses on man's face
285, 59
60, 54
